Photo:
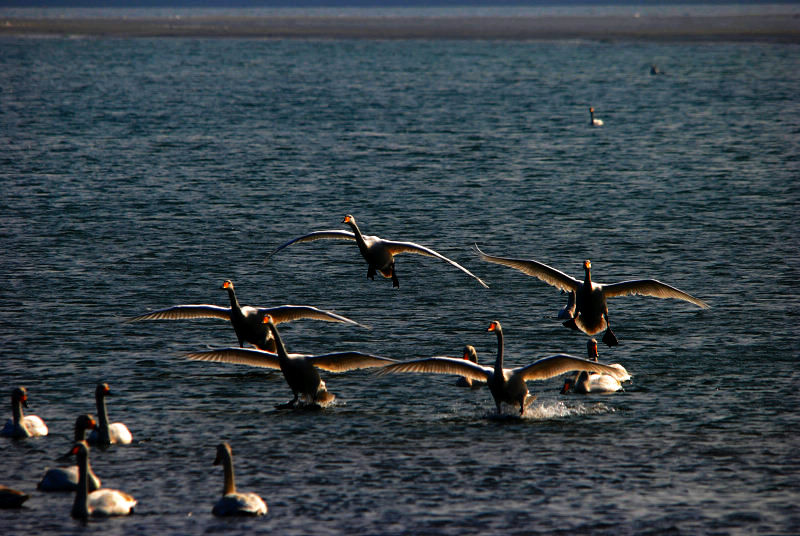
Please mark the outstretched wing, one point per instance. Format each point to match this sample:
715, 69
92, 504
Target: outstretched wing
181, 312
553, 365
549, 275
440, 365
344, 361
650, 287
287, 313
410, 247
238, 356
333, 234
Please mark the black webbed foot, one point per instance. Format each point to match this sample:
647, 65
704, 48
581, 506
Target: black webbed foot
609, 338
571, 324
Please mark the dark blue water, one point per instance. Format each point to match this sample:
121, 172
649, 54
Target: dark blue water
139, 174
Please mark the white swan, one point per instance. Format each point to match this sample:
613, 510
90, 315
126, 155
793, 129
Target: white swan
21, 425
378, 253
593, 121
102, 502
12, 498
299, 370
66, 478
585, 383
235, 503
246, 320
107, 434
591, 312
506, 385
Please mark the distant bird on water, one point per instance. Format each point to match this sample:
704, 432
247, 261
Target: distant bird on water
378, 253
107, 433
232, 502
506, 385
66, 478
591, 312
247, 321
20, 425
594, 122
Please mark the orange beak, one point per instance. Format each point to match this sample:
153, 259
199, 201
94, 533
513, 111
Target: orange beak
267, 319
492, 326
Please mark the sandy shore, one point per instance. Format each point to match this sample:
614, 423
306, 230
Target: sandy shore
765, 28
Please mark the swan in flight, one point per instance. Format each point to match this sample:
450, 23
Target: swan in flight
585, 383
107, 434
101, 502
232, 502
378, 253
299, 370
506, 385
246, 320
591, 312
594, 122
21, 425
66, 478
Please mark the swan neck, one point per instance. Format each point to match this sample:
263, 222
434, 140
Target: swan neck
80, 508
357, 232
232, 296
498, 364
587, 280
16, 412
230, 483
279, 347
102, 420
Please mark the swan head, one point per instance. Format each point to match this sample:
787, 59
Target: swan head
591, 110
228, 284
591, 347
494, 326
587, 265
268, 320
102, 390
223, 450
568, 383
470, 354
85, 422
349, 219
80, 449
19, 396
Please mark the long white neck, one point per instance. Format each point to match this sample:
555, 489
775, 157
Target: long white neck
283, 355
498, 364
362, 245
103, 435
227, 466
232, 296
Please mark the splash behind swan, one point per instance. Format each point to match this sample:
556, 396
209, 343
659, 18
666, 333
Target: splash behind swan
378, 253
232, 502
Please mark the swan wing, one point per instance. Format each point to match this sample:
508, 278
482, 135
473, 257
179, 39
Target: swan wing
287, 313
549, 275
440, 365
331, 234
344, 361
650, 287
410, 247
238, 356
182, 312
553, 365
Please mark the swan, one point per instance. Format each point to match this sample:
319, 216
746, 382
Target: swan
378, 253
107, 434
594, 122
12, 498
299, 370
102, 502
246, 321
591, 312
21, 425
235, 503
470, 354
66, 478
584, 382
506, 385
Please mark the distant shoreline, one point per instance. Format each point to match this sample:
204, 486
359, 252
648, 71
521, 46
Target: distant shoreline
737, 28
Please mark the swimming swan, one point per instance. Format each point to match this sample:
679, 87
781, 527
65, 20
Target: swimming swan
585, 383
378, 253
66, 478
592, 121
299, 370
21, 425
506, 385
246, 321
591, 312
235, 503
106, 434
102, 502
12, 498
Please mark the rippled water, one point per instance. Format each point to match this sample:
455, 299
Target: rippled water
139, 174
